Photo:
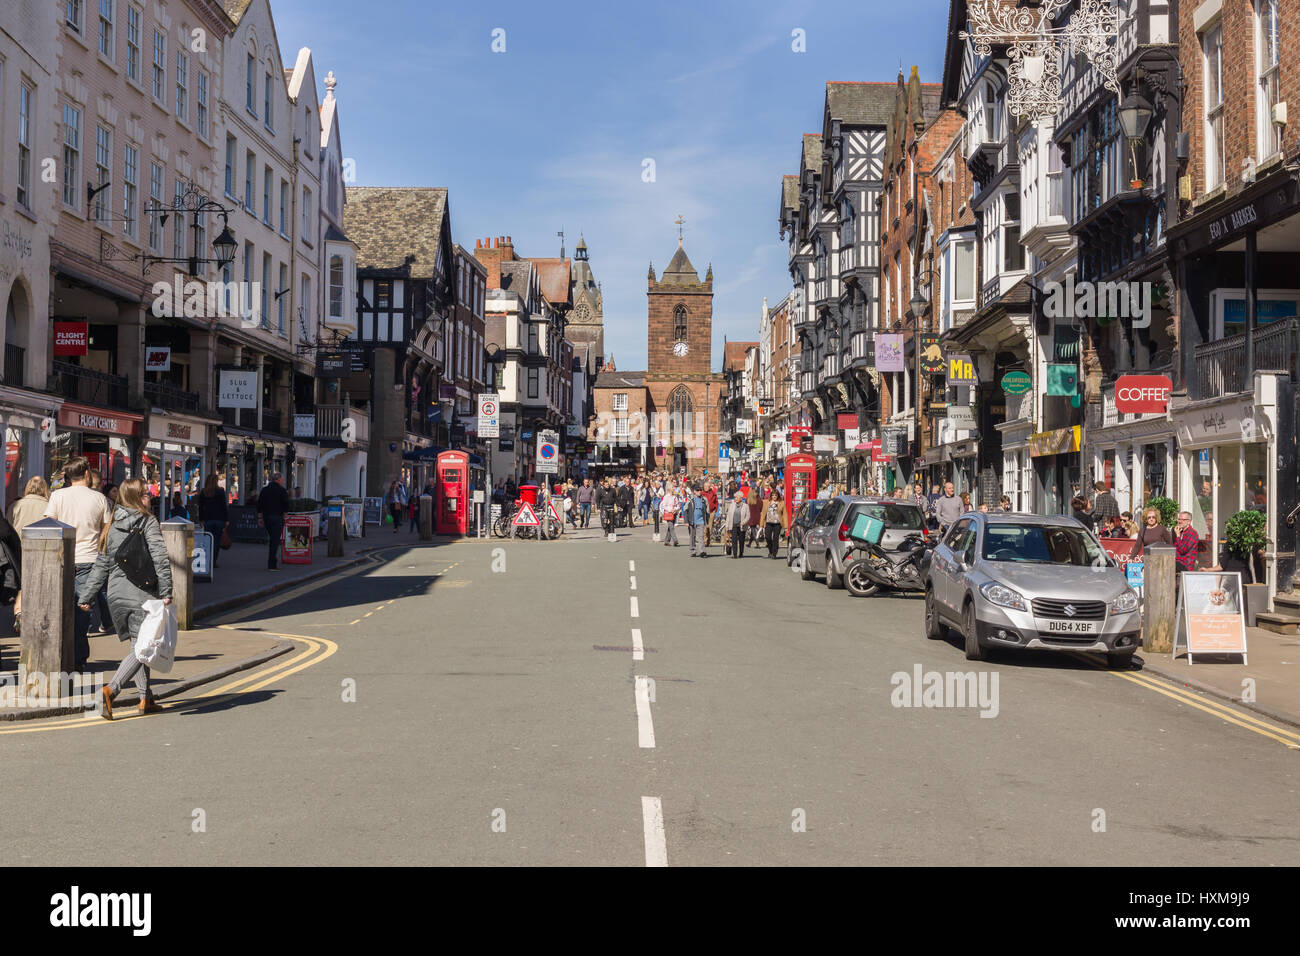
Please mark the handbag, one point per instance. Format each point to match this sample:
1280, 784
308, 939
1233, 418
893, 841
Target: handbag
135, 562
226, 543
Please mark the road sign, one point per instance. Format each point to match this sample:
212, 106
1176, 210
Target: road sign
555, 512
204, 551
489, 410
525, 517
724, 450
548, 453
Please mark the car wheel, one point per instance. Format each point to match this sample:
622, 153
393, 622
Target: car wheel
973, 650
934, 628
857, 582
805, 572
1119, 660
834, 580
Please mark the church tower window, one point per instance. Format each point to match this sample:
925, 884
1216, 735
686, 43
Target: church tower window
679, 324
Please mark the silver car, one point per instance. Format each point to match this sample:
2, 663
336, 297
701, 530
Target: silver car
1030, 582
827, 542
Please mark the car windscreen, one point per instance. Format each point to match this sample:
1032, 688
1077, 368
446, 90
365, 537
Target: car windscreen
893, 515
812, 507
1043, 544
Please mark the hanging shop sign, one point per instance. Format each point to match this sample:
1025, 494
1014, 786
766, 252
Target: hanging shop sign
157, 358
333, 364
931, 354
1017, 382
961, 370
846, 420
71, 338
961, 416
237, 388
1059, 441
1062, 380
1142, 393
889, 353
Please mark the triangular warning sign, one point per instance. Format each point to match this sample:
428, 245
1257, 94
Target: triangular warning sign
525, 517
555, 513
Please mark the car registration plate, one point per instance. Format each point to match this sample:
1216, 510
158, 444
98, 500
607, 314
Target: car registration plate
1070, 627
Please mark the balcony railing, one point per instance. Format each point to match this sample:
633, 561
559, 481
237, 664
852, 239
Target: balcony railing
271, 421
329, 423
89, 386
239, 417
170, 397
1221, 365
15, 365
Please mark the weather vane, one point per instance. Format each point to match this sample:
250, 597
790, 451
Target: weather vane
680, 222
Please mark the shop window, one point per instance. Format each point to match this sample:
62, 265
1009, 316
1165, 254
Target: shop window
1255, 491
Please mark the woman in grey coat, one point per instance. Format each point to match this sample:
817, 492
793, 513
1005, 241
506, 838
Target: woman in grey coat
124, 598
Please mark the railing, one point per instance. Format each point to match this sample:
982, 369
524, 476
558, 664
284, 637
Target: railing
170, 397
329, 422
271, 421
15, 365
89, 386
1221, 365
239, 417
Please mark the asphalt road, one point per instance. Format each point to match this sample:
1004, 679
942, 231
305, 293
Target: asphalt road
498, 719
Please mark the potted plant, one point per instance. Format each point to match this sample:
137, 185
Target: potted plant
1245, 536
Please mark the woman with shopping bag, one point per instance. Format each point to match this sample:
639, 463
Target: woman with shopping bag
133, 559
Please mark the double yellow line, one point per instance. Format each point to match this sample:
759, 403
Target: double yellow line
311, 650
1287, 737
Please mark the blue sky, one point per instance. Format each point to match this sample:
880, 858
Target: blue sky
553, 132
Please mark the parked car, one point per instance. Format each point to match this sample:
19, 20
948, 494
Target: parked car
1030, 582
827, 543
803, 519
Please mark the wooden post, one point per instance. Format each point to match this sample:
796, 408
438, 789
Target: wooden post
426, 517
178, 536
49, 575
334, 529
1159, 603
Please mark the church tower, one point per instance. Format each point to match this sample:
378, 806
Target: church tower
587, 319
681, 319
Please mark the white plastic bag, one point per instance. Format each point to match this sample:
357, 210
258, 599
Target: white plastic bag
155, 644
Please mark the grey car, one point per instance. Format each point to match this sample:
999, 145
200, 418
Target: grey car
1030, 582
827, 542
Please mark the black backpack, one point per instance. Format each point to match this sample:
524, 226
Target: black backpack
134, 560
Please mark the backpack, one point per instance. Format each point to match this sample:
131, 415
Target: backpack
135, 562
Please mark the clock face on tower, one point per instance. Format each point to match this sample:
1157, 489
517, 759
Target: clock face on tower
680, 349
583, 314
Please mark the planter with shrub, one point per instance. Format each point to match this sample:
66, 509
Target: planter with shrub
1246, 537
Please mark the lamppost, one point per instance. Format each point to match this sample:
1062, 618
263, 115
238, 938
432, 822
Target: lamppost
917, 305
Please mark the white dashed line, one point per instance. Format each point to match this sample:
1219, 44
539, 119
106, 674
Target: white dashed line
652, 822
632, 579
638, 649
645, 728
631, 565
635, 611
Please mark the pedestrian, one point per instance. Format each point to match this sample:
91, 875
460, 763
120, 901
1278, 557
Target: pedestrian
736, 522
30, 507
413, 506
711, 499
586, 495
626, 501
77, 504
919, 499
948, 507
965, 501
214, 513
1187, 543
775, 524
1004, 503
396, 502
656, 500
132, 579
1152, 532
1104, 505
668, 506
272, 506
1080, 509
605, 501
698, 509
754, 500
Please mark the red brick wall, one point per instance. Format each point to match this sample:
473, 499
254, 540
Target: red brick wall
663, 302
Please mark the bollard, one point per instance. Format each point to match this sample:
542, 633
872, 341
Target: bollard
426, 517
178, 536
334, 529
1159, 613
49, 575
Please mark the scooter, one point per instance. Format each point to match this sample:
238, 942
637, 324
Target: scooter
870, 567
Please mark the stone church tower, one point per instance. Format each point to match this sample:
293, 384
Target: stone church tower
586, 325
686, 396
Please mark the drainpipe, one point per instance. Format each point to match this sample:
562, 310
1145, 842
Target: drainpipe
1251, 304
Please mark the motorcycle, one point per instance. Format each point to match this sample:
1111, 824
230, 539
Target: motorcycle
869, 567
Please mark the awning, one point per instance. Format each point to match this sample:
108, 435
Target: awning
423, 454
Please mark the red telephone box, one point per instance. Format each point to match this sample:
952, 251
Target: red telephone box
800, 481
451, 494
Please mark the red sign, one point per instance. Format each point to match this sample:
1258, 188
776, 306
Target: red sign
876, 454
1142, 393
85, 418
71, 338
296, 547
1119, 548
846, 420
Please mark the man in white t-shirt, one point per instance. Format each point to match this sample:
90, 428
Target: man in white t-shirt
87, 511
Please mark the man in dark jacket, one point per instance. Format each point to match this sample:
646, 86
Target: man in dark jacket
272, 506
626, 501
1104, 506
604, 501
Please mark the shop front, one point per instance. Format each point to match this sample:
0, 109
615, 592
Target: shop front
177, 458
1057, 473
110, 440
1227, 450
245, 463
1017, 466
1135, 461
21, 419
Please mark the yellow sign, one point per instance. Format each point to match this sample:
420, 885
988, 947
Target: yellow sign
961, 370
1059, 441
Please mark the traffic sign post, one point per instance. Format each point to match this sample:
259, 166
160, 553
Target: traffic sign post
548, 453
489, 415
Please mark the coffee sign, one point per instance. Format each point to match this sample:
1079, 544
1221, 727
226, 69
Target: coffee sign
1142, 393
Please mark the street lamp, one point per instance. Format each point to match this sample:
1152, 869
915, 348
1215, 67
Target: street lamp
1134, 118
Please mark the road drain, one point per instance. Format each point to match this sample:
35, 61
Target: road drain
625, 650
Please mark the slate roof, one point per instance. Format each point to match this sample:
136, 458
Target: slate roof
514, 276
790, 191
860, 104
812, 151
680, 270
733, 354
620, 380
555, 275
390, 224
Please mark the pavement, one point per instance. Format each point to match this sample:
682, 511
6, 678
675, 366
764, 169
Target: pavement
205, 653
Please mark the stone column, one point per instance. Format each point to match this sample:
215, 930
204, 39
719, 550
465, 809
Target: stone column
178, 535
48, 602
203, 348
130, 350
